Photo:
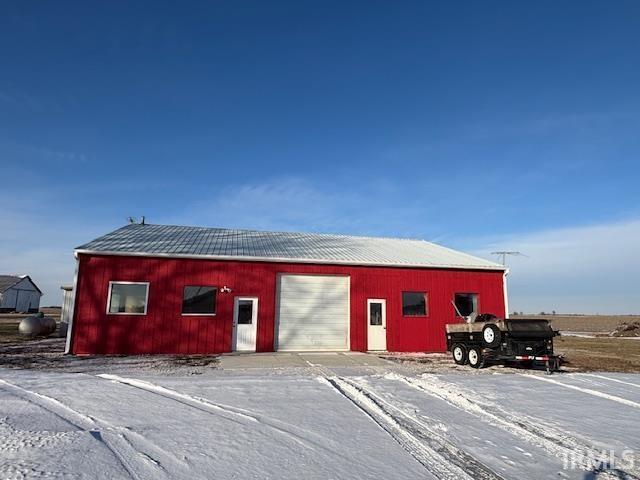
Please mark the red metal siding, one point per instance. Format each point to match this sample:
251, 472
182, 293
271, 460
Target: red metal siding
164, 330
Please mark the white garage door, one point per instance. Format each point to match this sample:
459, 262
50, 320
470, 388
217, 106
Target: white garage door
313, 312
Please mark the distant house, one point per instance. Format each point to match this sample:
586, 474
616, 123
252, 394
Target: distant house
19, 294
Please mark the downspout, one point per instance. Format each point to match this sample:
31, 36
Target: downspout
504, 290
67, 348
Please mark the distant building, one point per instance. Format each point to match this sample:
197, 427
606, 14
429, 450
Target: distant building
67, 303
19, 294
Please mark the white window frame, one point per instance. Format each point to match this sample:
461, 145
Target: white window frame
118, 282
426, 303
476, 298
200, 314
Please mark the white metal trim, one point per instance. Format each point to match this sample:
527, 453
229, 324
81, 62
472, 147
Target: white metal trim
348, 346
67, 345
506, 297
146, 297
242, 258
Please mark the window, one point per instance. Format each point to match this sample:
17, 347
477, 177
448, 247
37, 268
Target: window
128, 298
466, 304
414, 304
199, 300
375, 314
245, 312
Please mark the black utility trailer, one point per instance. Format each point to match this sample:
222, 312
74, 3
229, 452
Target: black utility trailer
502, 341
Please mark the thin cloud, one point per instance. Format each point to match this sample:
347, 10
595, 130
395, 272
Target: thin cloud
44, 153
35, 242
548, 124
21, 101
282, 204
589, 269
295, 204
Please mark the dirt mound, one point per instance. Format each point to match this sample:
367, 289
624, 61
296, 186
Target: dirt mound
631, 329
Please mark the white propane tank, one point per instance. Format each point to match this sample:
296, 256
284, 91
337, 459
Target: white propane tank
30, 326
37, 325
48, 325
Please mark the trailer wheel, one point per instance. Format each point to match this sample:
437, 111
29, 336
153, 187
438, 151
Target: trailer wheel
459, 353
491, 335
476, 360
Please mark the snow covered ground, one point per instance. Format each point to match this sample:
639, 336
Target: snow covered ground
323, 421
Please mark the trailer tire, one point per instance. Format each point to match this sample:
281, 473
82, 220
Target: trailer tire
476, 360
491, 335
459, 354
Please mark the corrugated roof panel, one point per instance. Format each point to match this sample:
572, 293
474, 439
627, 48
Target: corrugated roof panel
168, 240
8, 281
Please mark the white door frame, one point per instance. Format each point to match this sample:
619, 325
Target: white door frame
384, 321
254, 323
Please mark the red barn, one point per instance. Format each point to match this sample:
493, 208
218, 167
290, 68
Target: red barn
183, 290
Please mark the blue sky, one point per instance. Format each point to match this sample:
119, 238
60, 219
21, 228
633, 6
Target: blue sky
478, 125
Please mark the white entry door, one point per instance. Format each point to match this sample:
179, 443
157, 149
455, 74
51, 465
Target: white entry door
245, 322
377, 324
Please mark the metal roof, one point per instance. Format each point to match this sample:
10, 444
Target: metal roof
8, 281
222, 243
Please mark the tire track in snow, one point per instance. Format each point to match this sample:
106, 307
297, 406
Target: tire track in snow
38, 399
228, 412
91, 421
439, 457
590, 391
124, 458
558, 444
611, 379
117, 443
434, 439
